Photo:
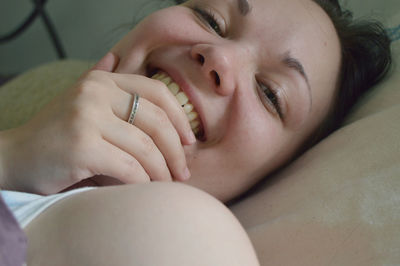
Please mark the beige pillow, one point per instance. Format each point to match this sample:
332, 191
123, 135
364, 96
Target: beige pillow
23, 96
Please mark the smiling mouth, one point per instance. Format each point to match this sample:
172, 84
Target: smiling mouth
191, 114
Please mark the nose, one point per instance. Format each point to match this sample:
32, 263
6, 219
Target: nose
217, 64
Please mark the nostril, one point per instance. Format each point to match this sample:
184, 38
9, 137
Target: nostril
200, 58
216, 77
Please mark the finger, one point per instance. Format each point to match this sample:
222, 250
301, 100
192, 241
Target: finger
114, 162
108, 63
139, 145
158, 93
156, 143
152, 120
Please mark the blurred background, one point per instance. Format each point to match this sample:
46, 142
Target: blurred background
86, 29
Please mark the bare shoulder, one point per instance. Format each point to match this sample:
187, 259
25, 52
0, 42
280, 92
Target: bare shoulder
152, 224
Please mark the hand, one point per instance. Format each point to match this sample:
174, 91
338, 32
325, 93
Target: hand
83, 133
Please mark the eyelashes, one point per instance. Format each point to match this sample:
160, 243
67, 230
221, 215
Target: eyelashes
209, 17
268, 95
272, 98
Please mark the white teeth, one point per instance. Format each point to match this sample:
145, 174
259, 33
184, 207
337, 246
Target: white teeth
196, 130
166, 80
156, 76
192, 116
183, 100
162, 75
188, 108
174, 88
194, 124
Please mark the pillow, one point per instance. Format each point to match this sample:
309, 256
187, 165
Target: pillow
26, 94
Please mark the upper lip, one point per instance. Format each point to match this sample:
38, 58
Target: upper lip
188, 90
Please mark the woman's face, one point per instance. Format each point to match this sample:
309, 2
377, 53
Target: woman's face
260, 73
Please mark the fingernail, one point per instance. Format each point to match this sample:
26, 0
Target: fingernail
186, 174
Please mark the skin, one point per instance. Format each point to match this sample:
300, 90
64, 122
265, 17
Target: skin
242, 127
191, 228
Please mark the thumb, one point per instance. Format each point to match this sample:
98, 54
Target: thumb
108, 63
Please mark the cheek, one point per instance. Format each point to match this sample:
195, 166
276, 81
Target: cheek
232, 166
167, 26
254, 136
171, 26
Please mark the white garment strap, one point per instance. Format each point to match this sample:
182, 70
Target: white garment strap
27, 206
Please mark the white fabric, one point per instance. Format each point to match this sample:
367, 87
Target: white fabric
27, 206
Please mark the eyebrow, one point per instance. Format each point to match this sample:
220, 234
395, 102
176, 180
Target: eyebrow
244, 7
295, 64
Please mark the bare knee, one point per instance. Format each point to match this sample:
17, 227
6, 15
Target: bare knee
152, 224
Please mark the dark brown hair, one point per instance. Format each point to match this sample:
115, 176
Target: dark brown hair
366, 59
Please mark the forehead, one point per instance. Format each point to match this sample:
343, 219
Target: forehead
298, 25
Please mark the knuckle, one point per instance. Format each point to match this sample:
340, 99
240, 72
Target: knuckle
91, 89
90, 101
148, 145
131, 167
161, 117
95, 74
134, 172
131, 164
87, 91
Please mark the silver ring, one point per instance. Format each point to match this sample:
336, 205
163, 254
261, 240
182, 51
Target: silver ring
135, 106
